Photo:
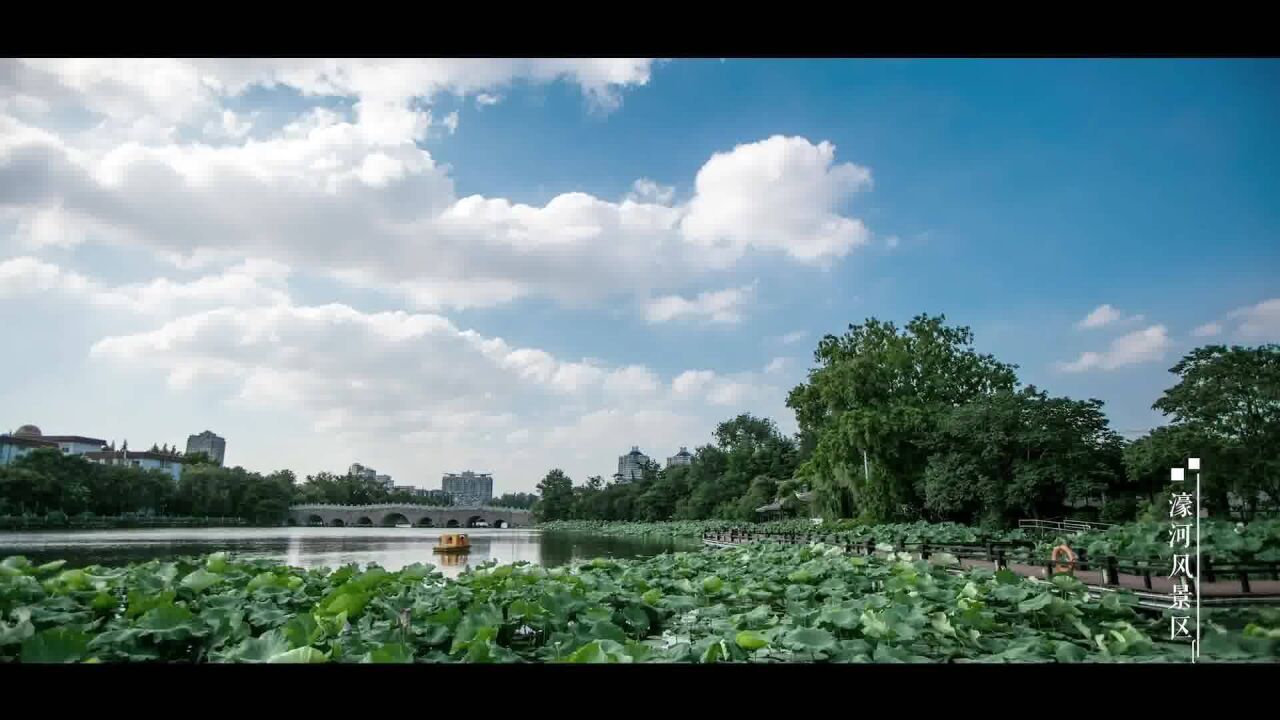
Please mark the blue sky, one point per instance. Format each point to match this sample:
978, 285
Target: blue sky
514, 265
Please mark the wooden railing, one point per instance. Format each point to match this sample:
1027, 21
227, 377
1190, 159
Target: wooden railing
1002, 554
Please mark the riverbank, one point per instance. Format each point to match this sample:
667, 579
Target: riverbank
753, 604
389, 547
58, 521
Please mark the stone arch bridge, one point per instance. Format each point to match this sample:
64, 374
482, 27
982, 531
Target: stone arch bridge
393, 514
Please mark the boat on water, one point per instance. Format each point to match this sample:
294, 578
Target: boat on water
453, 543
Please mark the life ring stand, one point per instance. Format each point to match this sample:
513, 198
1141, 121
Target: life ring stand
1063, 567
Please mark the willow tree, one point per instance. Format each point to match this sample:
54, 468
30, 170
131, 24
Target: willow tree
871, 404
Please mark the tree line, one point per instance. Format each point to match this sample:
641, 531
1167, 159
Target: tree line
47, 481
914, 423
894, 425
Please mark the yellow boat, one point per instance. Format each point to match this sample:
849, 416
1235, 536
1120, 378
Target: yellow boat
453, 543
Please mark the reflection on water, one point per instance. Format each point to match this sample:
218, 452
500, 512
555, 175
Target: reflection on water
392, 548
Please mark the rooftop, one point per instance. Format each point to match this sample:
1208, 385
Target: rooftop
75, 438
26, 441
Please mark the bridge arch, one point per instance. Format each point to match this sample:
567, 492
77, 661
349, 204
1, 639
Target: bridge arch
404, 515
393, 519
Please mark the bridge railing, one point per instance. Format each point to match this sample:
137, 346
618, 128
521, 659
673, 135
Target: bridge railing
399, 506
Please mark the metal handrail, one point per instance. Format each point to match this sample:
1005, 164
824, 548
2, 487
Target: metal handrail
1068, 525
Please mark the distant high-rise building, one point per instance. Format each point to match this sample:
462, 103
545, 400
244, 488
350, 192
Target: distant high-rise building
631, 465
468, 488
684, 457
209, 444
368, 473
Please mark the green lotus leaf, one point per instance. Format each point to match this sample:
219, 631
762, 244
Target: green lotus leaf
811, 639
390, 653
750, 640
55, 645
201, 580
300, 656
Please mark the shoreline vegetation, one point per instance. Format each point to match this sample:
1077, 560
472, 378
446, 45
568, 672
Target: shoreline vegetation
1224, 540
764, 603
58, 521
895, 425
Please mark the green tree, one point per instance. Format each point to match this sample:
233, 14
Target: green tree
519, 500
1148, 459
555, 501
1012, 454
763, 491
873, 401
1227, 402
197, 458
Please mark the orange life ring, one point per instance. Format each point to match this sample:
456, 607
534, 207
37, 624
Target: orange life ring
1063, 567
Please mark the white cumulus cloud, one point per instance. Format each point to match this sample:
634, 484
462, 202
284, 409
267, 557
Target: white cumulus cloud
1258, 322
327, 194
1105, 315
719, 306
1210, 329
1136, 347
782, 193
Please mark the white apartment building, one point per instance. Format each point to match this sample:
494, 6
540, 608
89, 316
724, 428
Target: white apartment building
630, 466
684, 457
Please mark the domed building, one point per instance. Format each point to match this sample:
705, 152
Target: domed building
684, 457
631, 465
30, 437
22, 441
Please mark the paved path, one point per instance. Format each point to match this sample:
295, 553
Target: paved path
1160, 585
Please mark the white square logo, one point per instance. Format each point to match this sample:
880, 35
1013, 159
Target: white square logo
1177, 474
1193, 463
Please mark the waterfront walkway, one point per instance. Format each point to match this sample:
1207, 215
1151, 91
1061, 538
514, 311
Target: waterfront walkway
1155, 590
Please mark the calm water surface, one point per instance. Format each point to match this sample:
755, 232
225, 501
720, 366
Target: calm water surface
392, 548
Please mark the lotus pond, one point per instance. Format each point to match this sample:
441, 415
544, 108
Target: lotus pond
763, 603
1223, 540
